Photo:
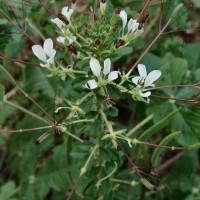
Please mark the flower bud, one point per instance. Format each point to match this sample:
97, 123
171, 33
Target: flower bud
119, 43
63, 18
144, 17
97, 41
117, 10
115, 27
71, 48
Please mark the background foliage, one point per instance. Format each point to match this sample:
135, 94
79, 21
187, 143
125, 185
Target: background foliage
48, 171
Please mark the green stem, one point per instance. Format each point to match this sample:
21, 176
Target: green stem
81, 37
73, 136
141, 124
108, 176
132, 183
36, 30
108, 124
26, 111
85, 97
79, 121
84, 169
79, 72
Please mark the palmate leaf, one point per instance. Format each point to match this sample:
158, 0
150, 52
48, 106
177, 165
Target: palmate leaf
37, 81
7, 190
53, 175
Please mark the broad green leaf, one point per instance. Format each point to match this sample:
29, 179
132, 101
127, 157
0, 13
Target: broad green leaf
7, 190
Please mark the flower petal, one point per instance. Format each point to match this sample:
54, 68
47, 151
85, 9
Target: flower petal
51, 59
135, 80
64, 10
113, 75
68, 15
48, 47
39, 52
130, 24
58, 22
135, 26
146, 94
47, 65
61, 39
95, 67
107, 64
71, 39
123, 16
91, 84
142, 71
152, 76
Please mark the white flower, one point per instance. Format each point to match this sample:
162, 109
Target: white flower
67, 13
143, 81
70, 39
132, 24
45, 54
96, 69
58, 22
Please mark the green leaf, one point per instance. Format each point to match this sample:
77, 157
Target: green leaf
6, 190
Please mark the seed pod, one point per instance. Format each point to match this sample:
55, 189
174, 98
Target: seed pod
97, 41
119, 43
117, 10
148, 185
42, 138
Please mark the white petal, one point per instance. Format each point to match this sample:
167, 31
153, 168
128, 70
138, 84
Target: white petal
71, 39
152, 76
142, 71
113, 75
51, 59
61, 39
130, 25
107, 64
68, 15
123, 16
135, 80
47, 65
48, 47
64, 10
95, 67
134, 26
146, 94
39, 52
91, 84
58, 22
